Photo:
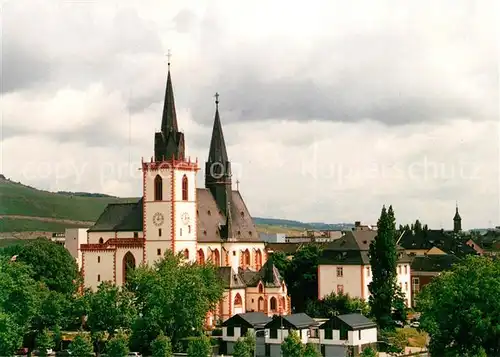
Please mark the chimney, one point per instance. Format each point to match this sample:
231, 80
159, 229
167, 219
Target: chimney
357, 223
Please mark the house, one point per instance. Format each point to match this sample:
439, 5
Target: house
238, 326
433, 241
344, 266
279, 327
425, 267
347, 335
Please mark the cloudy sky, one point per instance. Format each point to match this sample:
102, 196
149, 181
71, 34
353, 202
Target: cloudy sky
330, 109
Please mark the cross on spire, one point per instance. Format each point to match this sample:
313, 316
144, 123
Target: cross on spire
216, 99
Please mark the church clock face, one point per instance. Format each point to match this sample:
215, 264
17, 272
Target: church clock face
158, 219
185, 218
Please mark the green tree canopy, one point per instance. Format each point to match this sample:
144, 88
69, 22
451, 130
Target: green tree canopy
161, 346
44, 342
383, 261
110, 308
337, 304
461, 308
199, 347
51, 263
250, 341
117, 346
292, 345
174, 298
368, 352
11, 336
311, 351
241, 349
81, 345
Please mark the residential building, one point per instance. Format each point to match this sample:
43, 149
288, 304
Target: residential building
280, 326
431, 241
344, 267
424, 268
347, 335
203, 224
238, 326
273, 237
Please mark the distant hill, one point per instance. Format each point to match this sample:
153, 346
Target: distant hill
24, 208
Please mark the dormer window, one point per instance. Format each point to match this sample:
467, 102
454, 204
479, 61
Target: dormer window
209, 213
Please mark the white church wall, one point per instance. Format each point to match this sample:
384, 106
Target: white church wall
98, 266
94, 237
237, 248
120, 254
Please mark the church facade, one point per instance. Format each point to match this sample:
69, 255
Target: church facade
203, 224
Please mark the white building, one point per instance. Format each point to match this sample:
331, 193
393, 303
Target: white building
73, 239
204, 224
345, 267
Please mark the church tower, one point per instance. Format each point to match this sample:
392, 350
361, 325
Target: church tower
169, 189
457, 221
218, 172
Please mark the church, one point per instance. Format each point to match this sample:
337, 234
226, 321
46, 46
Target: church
203, 224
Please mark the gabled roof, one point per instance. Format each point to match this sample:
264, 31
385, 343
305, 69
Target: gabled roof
127, 217
269, 275
352, 321
249, 319
230, 280
295, 321
433, 263
448, 242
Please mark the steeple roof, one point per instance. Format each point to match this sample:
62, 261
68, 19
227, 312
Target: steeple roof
218, 152
169, 118
457, 215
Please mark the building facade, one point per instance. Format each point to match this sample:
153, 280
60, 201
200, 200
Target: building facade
203, 224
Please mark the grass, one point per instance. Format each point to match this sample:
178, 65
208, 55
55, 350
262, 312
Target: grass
18, 199
21, 200
31, 225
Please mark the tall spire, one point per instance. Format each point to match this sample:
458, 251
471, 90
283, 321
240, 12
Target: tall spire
218, 152
457, 221
169, 142
169, 118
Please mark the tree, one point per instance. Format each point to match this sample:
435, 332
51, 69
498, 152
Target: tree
81, 345
44, 342
161, 346
368, 352
110, 308
241, 349
337, 304
250, 341
11, 336
51, 263
302, 276
400, 311
281, 262
460, 308
117, 346
311, 351
174, 299
383, 260
292, 345
199, 347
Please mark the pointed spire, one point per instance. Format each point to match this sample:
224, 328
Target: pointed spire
218, 152
169, 118
457, 215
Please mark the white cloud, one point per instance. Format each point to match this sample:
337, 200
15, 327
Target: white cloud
330, 110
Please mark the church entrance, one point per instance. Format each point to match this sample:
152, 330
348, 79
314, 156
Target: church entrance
128, 266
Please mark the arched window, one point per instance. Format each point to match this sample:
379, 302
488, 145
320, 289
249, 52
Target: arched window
216, 257
258, 259
273, 303
101, 241
201, 257
237, 300
158, 188
128, 265
246, 258
260, 304
184, 188
186, 253
261, 288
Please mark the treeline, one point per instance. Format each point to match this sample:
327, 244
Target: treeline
85, 194
162, 305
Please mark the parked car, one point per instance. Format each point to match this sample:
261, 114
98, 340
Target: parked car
22, 351
415, 324
134, 354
